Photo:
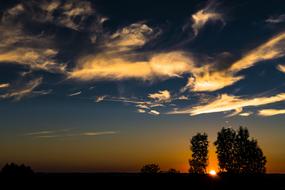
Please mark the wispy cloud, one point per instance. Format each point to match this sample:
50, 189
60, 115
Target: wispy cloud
276, 19
75, 93
100, 98
203, 16
183, 97
153, 112
281, 68
38, 133
161, 96
99, 133
272, 49
130, 37
34, 51
60, 133
141, 110
208, 78
271, 112
4, 85
225, 103
245, 114
23, 91
116, 67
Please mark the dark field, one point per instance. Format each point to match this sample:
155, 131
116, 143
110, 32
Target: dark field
140, 181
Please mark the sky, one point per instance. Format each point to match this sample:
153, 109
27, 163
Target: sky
92, 86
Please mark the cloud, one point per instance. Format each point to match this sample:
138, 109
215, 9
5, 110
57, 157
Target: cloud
118, 60
66, 133
42, 92
127, 38
4, 85
161, 96
142, 106
183, 97
271, 112
37, 59
116, 67
245, 114
99, 133
100, 98
225, 102
202, 17
276, 19
35, 51
272, 49
153, 112
75, 93
141, 110
74, 14
206, 80
39, 133
209, 78
16, 10
281, 68
22, 91
70, 14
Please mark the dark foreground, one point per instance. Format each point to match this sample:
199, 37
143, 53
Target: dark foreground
140, 181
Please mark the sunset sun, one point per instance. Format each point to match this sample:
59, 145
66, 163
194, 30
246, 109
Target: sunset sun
212, 173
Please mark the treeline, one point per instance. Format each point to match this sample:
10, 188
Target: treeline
237, 153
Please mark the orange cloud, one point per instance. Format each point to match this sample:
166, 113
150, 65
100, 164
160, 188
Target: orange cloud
163, 65
161, 96
271, 112
226, 102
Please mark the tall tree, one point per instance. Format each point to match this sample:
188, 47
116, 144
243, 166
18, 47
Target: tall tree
226, 151
237, 153
199, 148
250, 157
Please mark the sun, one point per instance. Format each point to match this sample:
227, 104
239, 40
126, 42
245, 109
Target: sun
212, 172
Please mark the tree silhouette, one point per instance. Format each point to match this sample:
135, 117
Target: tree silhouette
225, 146
16, 170
199, 148
238, 154
150, 169
173, 171
250, 157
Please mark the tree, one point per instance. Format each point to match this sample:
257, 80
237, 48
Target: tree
173, 171
250, 157
199, 148
238, 154
16, 170
225, 149
150, 169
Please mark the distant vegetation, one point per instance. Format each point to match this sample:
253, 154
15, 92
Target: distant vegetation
150, 169
16, 170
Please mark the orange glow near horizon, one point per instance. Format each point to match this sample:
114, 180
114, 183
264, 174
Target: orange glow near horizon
212, 172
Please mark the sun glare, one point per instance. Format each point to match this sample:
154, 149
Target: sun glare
212, 172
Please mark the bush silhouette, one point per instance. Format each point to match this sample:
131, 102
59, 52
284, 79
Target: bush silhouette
150, 169
173, 171
238, 154
16, 170
199, 148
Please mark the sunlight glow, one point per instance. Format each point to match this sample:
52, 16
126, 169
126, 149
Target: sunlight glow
212, 172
